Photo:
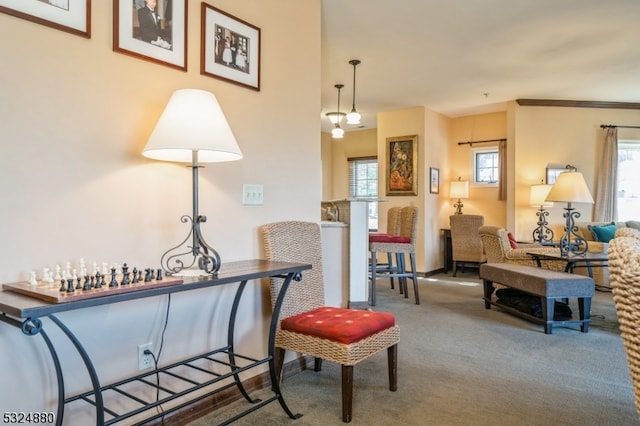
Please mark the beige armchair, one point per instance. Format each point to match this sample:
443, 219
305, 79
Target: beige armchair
498, 249
466, 246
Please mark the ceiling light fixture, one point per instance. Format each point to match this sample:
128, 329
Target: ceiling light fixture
354, 116
337, 132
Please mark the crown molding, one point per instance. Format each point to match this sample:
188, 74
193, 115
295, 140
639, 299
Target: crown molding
578, 104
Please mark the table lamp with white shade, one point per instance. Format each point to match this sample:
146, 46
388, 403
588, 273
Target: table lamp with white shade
570, 187
192, 129
537, 198
459, 189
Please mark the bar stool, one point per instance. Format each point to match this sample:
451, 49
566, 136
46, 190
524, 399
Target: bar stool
402, 244
375, 238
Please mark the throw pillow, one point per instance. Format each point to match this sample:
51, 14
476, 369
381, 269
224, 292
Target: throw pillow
633, 224
512, 240
603, 233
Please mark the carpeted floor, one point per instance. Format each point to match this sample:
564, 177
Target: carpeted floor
461, 364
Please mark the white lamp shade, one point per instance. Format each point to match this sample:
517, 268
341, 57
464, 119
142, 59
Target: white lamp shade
337, 133
459, 189
353, 117
538, 196
192, 121
570, 187
335, 117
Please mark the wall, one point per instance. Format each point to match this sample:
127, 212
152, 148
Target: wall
75, 116
559, 136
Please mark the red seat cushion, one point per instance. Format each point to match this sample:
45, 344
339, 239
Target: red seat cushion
512, 240
339, 324
388, 238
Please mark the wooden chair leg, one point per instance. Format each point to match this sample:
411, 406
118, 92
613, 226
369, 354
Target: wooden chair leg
392, 361
347, 392
390, 268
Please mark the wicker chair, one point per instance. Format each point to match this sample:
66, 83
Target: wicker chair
497, 249
624, 273
393, 229
402, 244
628, 232
466, 246
343, 336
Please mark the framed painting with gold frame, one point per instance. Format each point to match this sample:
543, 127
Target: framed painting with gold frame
402, 165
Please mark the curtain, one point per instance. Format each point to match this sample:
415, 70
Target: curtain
502, 183
606, 199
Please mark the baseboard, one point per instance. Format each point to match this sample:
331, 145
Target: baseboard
363, 306
208, 405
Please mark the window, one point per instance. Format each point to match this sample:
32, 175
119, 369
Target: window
628, 179
486, 166
363, 183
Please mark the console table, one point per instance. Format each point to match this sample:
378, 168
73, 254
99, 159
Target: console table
25, 312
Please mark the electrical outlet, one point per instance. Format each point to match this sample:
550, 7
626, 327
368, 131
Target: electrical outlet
145, 361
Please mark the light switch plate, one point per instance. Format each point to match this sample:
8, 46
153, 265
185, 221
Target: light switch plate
252, 194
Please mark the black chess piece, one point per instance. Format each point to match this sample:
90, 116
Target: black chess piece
148, 275
113, 282
97, 283
79, 284
135, 275
87, 284
126, 278
159, 275
70, 288
63, 286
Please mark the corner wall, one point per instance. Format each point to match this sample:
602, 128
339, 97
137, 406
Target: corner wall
75, 116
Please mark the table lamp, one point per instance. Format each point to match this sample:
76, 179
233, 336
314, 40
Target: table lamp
459, 189
192, 129
570, 187
537, 198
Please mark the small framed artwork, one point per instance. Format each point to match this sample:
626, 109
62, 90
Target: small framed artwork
72, 16
402, 165
157, 34
553, 172
229, 48
434, 179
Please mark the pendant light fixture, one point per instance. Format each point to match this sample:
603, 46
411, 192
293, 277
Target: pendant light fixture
337, 132
354, 116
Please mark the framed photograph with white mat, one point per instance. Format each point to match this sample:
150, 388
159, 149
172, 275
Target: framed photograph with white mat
229, 48
72, 16
157, 35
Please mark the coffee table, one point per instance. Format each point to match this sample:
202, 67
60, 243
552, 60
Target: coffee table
587, 260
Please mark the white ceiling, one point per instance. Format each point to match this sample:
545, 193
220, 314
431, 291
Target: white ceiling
460, 57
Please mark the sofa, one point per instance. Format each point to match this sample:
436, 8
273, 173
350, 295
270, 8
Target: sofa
598, 235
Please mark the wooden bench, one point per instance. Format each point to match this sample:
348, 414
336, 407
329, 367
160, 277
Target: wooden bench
548, 285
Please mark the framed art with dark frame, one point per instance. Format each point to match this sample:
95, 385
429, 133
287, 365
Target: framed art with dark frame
229, 48
402, 165
158, 35
434, 180
72, 16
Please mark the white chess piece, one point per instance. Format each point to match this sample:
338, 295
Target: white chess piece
57, 276
45, 274
50, 279
32, 278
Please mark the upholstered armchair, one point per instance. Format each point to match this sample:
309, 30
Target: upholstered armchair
497, 249
466, 246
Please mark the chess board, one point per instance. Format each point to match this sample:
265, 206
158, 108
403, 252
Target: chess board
50, 292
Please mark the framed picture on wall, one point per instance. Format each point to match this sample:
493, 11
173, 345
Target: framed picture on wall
553, 172
402, 165
72, 16
157, 35
229, 48
434, 180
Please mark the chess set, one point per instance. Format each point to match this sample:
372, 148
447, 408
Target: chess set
68, 286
